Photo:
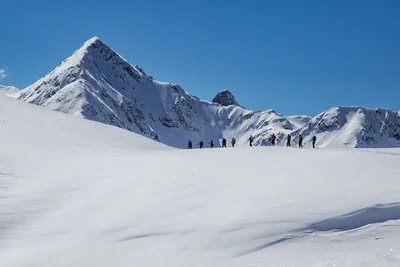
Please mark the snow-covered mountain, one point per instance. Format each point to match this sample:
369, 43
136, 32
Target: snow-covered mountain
98, 84
354, 127
8, 90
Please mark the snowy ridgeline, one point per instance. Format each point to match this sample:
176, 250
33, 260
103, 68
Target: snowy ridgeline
8, 90
98, 84
80, 193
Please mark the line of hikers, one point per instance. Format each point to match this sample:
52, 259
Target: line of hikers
272, 139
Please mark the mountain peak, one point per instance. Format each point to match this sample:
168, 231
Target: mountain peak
93, 40
225, 98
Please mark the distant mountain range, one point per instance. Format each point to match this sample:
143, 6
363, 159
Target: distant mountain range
96, 83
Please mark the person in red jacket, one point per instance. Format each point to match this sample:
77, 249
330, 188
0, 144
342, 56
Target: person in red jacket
273, 139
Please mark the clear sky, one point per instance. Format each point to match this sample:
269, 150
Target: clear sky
297, 57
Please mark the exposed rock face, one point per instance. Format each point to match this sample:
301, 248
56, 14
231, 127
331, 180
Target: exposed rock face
225, 98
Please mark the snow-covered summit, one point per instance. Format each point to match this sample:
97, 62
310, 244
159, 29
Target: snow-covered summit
225, 98
8, 90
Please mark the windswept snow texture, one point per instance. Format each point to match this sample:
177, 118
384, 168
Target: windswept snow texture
8, 90
80, 193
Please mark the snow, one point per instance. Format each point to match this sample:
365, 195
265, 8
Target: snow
299, 120
354, 127
80, 193
8, 90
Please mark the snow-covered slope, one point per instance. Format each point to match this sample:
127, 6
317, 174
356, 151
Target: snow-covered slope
299, 120
97, 84
8, 90
354, 127
79, 193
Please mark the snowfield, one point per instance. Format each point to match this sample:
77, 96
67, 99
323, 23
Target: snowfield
10, 91
79, 193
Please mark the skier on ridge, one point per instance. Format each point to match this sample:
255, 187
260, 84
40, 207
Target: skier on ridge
201, 144
212, 143
251, 139
313, 139
190, 146
288, 138
233, 142
223, 142
273, 138
300, 140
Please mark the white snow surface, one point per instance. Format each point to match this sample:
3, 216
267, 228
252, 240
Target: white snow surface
80, 193
8, 90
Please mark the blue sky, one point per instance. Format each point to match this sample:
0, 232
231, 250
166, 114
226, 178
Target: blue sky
297, 57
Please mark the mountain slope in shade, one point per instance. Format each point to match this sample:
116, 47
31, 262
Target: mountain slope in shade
225, 98
354, 127
8, 90
98, 84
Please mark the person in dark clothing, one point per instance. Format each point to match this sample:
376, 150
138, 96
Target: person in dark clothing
190, 145
212, 143
300, 140
273, 138
233, 142
201, 144
313, 139
288, 138
251, 139
223, 142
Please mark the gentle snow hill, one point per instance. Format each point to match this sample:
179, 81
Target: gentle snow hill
8, 90
79, 193
354, 127
96, 83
